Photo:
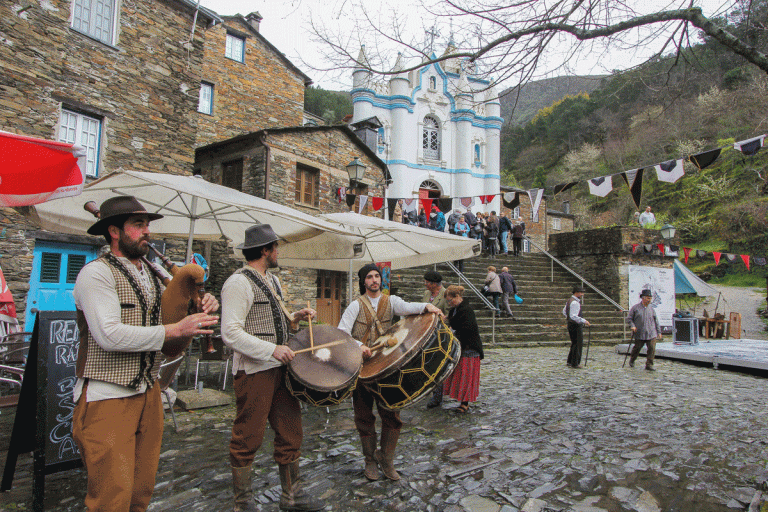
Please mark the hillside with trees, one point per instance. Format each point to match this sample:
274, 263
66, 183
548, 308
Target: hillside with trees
332, 106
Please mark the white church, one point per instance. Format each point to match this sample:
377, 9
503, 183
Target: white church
439, 130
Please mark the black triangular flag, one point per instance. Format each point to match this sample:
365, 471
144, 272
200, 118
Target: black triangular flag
351, 199
704, 160
634, 180
564, 186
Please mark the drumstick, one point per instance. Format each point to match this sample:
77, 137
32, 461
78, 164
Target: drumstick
391, 342
325, 345
311, 338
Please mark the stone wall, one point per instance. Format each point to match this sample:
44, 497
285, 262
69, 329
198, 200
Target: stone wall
537, 231
261, 92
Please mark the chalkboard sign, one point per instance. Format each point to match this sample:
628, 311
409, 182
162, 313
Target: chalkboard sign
43, 422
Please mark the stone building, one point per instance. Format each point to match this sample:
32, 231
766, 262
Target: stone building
302, 167
549, 221
440, 129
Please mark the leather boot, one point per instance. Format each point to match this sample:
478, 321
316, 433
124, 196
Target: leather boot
437, 397
293, 496
369, 451
241, 484
386, 456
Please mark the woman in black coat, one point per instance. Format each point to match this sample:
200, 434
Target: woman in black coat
464, 382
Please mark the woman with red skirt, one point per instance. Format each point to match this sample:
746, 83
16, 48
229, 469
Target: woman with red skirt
464, 383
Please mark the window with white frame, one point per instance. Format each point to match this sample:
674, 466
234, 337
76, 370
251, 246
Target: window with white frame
95, 18
235, 48
205, 103
430, 140
516, 212
556, 224
84, 131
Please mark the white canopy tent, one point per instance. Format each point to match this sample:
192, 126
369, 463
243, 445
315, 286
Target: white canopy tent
195, 209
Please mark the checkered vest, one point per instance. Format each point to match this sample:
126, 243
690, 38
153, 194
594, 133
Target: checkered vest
127, 369
265, 319
363, 328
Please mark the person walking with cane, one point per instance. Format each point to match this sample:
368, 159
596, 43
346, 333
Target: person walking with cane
645, 329
576, 323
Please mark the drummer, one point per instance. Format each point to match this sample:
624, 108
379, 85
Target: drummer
255, 323
366, 319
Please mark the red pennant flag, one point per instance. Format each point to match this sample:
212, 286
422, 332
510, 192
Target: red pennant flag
634, 248
687, 251
377, 203
717, 257
661, 248
745, 259
427, 205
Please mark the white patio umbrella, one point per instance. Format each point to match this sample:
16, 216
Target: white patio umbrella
195, 209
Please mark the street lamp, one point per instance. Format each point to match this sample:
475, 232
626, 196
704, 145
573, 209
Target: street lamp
667, 232
356, 171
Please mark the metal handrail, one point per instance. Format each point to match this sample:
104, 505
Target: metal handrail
577, 276
479, 295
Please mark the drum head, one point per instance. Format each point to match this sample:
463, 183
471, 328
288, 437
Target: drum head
411, 333
325, 369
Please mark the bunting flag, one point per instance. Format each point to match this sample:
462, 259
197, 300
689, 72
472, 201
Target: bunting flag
445, 204
487, 199
661, 248
466, 202
377, 203
700, 254
634, 180
758, 261
341, 194
704, 160
751, 146
426, 203
670, 171
363, 201
536, 193
673, 249
564, 186
350, 199
511, 200
391, 203
745, 259
717, 257
634, 248
410, 205
600, 187
648, 248
687, 251
730, 258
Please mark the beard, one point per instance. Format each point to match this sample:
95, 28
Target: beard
130, 249
375, 287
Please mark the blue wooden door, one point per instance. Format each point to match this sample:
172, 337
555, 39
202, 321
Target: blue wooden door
54, 270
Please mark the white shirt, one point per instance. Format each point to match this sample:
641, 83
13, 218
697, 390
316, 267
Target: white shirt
252, 354
573, 311
399, 307
95, 295
646, 218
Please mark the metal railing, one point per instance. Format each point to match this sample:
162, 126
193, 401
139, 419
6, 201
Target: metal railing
479, 295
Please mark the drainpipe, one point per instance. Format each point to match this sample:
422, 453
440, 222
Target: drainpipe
267, 162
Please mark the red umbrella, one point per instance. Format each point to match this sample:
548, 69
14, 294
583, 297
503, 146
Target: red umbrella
36, 170
8, 321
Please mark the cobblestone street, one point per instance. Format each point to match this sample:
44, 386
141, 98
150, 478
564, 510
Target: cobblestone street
543, 437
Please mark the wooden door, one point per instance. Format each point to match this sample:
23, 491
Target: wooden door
329, 296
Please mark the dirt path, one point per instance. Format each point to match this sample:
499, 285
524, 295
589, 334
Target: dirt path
744, 301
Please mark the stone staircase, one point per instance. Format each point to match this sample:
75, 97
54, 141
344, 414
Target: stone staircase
539, 319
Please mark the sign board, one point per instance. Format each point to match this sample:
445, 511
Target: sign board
43, 422
661, 282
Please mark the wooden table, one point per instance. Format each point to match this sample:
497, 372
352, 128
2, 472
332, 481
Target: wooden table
714, 325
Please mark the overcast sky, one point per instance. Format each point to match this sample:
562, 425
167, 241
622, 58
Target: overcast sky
286, 26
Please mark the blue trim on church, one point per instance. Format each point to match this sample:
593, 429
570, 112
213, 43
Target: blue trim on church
422, 167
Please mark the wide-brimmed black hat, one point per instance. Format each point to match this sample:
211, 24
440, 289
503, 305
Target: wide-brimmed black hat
120, 206
578, 289
433, 276
646, 293
258, 236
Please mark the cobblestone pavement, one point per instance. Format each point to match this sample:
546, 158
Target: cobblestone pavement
542, 437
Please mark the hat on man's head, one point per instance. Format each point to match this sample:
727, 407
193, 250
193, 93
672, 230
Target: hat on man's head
433, 276
646, 293
115, 207
258, 236
578, 289
364, 272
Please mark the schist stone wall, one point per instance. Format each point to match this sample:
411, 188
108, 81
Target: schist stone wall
602, 256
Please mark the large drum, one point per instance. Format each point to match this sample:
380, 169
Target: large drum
424, 354
325, 376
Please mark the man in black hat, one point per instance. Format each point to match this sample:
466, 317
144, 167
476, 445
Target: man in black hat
118, 418
255, 324
365, 319
576, 323
645, 329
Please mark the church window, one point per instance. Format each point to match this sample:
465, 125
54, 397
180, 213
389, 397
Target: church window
430, 141
477, 154
433, 83
95, 18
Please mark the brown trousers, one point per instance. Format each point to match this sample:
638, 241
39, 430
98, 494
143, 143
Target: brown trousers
365, 421
651, 352
262, 396
119, 440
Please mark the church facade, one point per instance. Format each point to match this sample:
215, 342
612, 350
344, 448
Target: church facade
440, 133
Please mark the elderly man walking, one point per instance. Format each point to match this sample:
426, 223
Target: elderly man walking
645, 329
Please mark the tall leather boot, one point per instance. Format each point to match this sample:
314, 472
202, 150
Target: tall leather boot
241, 484
386, 456
369, 451
293, 497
